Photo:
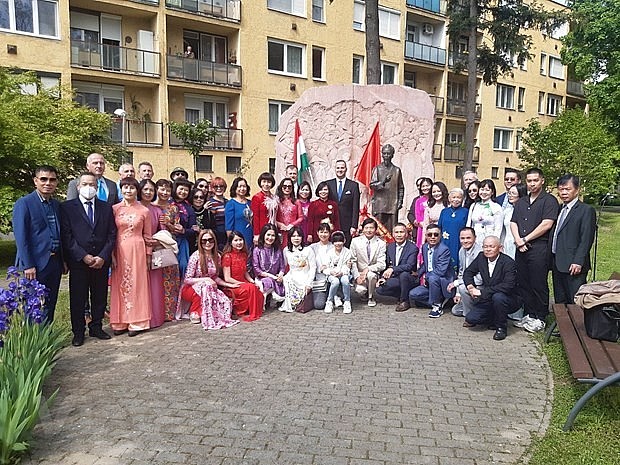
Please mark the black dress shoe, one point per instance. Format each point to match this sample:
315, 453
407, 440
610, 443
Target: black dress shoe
133, 333
78, 340
118, 332
99, 334
500, 334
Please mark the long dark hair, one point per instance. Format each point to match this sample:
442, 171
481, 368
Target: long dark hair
468, 200
280, 192
263, 232
235, 184
146, 182
444, 194
215, 256
293, 230
303, 184
228, 247
491, 185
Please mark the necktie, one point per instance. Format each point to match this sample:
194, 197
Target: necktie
368, 250
561, 219
339, 190
101, 193
90, 212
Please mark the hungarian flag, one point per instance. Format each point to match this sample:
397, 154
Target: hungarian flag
300, 159
370, 158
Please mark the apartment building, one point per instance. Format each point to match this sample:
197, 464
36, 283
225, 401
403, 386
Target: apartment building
249, 62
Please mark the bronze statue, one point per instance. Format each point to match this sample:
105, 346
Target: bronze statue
386, 182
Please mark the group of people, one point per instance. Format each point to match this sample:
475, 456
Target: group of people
233, 257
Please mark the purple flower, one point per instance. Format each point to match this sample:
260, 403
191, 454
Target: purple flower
12, 272
24, 295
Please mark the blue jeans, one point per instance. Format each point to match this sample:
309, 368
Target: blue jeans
335, 283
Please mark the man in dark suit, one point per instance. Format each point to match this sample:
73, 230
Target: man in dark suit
346, 193
435, 274
88, 234
511, 178
572, 239
495, 298
402, 256
106, 188
36, 225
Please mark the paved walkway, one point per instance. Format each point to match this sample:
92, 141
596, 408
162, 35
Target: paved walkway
373, 387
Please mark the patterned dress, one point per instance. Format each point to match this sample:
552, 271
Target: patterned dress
267, 263
212, 304
302, 268
156, 278
130, 299
302, 210
288, 214
487, 219
170, 275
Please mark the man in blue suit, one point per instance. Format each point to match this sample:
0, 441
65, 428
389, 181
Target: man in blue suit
435, 274
401, 260
88, 233
36, 225
511, 178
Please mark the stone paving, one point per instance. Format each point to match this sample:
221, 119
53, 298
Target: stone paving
372, 388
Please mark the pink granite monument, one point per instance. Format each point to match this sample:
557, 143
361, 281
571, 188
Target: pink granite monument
337, 121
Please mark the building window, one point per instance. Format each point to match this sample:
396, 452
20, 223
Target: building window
388, 73
358, 66
389, 20
518, 140
521, 99
560, 31
359, 11
38, 17
554, 104
543, 64
456, 91
204, 164
272, 165
215, 110
206, 47
318, 65
409, 79
505, 96
285, 58
275, 111
556, 68
318, 11
502, 139
541, 103
494, 172
293, 7
99, 97
233, 164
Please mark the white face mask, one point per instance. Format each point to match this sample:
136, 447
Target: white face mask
88, 192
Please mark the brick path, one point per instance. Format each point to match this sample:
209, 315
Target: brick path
373, 387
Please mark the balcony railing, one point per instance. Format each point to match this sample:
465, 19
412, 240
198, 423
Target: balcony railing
229, 9
459, 108
456, 153
137, 132
426, 53
575, 88
436, 6
114, 58
147, 2
226, 139
208, 72
458, 60
438, 102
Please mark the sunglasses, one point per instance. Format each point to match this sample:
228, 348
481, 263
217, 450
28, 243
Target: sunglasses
432, 234
199, 197
286, 186
201, 186
46, 179
219, 186
208, 240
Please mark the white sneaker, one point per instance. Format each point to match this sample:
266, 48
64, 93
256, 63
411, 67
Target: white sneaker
277, 298
194, 318
337, 302
329, 307
372, 303
347, 307
522, 321
360, 289
534, 325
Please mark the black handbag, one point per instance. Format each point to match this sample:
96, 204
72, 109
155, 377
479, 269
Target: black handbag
603, 322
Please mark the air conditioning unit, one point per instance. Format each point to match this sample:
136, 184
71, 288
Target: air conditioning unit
428, 29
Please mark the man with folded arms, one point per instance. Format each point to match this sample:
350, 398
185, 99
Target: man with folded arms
495, 298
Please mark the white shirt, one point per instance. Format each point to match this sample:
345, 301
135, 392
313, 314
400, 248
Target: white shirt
492, 266
84, 206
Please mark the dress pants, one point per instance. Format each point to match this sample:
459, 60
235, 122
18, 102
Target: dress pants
466, 303
87, 286
434, 294
565, 286
532, 272
50, 278
370, 284
494, 312
398, 286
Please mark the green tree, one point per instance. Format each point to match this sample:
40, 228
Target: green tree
592, 50
506, 26
42, 129
574, 143
194, 136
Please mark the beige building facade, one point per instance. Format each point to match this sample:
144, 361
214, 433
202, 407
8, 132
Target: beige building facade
241, 64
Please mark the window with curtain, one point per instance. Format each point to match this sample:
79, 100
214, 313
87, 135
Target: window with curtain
38, 17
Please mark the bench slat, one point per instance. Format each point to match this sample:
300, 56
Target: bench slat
594, 349
613, 350
577, 359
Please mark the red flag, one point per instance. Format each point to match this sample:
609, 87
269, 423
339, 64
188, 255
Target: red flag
370, 159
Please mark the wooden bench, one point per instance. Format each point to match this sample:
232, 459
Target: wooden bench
591, 361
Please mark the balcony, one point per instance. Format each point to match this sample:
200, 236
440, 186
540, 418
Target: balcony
438, 102
456, 153
575, 88
226, 139
459, 108
437, 152
114, 58
137, 132
205, 72
147, 2
458, 60
425, 53
227, 9
436, 6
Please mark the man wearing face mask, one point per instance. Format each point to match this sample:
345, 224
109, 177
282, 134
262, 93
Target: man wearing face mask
88, 235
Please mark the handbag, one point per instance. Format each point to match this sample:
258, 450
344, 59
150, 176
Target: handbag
306, 305
162, 258
602, 322
319, 286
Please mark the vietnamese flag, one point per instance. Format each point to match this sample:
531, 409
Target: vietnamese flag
370, 158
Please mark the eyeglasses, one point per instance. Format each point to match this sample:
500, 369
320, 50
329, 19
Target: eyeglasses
46, 179
219, 186
208, 240
510, 179
432, 234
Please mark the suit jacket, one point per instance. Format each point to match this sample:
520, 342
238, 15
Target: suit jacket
575, 237
408, 258
80, 238
504, 277
72, 191
441, 261
32, 233
349, 204
360, 255
500, 199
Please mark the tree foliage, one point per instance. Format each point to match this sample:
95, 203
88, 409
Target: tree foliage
574, 143
194, 136
592, 49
